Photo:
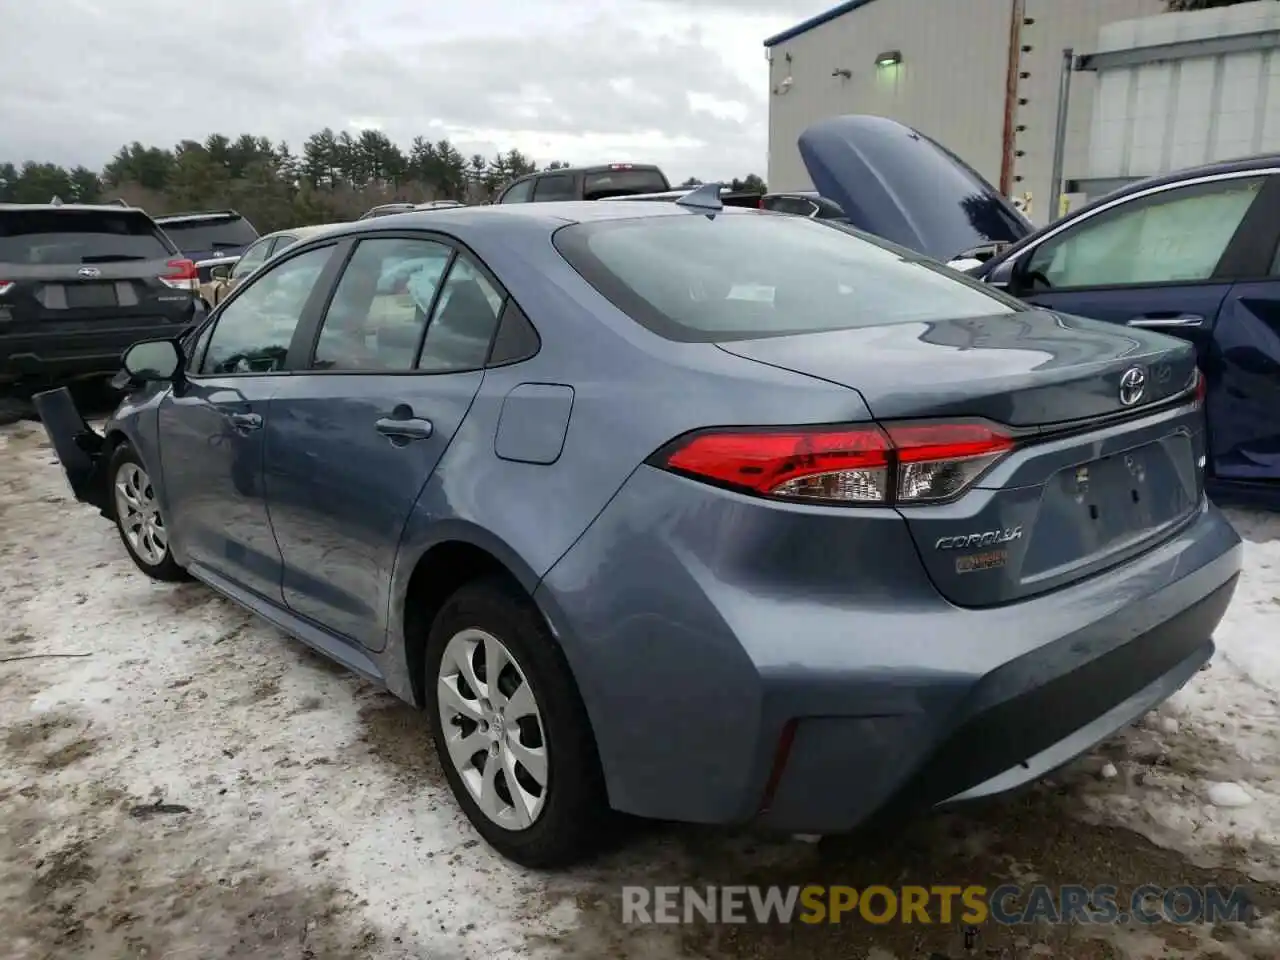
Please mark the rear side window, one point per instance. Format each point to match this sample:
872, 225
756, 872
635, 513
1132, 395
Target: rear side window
380, 307
744, 276
210, 234
66, 237
518, 192
617, 183
464, 321
555, 186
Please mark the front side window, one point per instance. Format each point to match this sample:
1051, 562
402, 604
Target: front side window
380, 307
253, 331
518, 192
253, 258
1175, 236
741, 276
463, 323
554, 186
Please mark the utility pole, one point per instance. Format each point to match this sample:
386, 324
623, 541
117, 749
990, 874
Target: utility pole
1017, 16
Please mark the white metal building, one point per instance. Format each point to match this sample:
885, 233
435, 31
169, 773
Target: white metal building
1182, 89
980, 76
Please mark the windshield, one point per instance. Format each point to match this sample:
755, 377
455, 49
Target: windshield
618, 183
210, 234
64, 236
744, 276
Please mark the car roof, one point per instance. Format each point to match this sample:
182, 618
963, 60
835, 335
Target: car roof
74, 207
495, 218
1261, 161
198, 215
302, 233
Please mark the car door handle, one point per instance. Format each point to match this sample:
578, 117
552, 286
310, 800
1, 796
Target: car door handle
246, 421
1157, 321
410, 428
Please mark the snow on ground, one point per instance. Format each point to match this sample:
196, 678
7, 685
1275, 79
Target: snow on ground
1204, 775
179, 780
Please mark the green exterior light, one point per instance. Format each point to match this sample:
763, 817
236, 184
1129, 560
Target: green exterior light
889, 58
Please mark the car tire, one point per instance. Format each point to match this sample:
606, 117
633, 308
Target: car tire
136, 511
573, 813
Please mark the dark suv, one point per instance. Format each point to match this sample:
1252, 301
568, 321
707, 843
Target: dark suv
208, 235
79, 284
586, 183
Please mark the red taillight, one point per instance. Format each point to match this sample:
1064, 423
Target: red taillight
182, 275
760, 203
5, 287
1202, 387
900, 463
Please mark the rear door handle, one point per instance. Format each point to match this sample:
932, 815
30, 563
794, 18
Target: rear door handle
1157, 321
246, 421
410, 428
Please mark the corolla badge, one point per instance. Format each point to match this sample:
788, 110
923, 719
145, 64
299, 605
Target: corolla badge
88, 272
1133, 384
986, 538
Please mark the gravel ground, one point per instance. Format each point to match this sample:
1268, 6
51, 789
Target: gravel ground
178, 779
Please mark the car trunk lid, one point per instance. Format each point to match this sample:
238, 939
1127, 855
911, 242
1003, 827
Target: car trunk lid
898, 184
1107, 438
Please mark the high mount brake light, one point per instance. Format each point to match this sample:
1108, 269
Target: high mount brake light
182, 275
857, 465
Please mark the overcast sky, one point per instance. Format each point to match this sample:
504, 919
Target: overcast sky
679, 82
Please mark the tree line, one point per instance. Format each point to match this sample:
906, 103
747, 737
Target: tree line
335, 177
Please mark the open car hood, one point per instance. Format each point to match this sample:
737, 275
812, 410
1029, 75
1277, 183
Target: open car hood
898, 184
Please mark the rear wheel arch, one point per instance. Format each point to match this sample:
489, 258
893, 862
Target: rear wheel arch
443, 569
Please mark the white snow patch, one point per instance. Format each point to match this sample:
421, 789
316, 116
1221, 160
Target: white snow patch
1218, 739
1229, 795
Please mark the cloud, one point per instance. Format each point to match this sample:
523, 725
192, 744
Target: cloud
678, 82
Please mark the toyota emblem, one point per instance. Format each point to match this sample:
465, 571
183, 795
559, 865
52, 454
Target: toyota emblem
89, 272
1133, 384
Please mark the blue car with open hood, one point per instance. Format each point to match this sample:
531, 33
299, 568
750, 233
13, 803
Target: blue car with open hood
1194, 254
698, 513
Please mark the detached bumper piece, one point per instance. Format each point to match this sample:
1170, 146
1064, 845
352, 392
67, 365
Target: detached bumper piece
79, 447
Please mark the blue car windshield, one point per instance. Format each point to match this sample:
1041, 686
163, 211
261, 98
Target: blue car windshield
745, 276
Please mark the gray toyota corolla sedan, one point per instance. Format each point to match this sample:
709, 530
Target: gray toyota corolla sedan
700, 514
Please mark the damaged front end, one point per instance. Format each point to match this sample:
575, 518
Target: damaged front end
81, 449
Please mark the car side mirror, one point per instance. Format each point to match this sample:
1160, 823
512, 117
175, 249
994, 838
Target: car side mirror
153, 360
221, 272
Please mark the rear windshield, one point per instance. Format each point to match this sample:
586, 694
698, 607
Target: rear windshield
742, 276
210, 234
619, 183
66, 236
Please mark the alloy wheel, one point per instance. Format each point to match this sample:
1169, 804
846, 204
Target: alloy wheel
139, 514
493, 728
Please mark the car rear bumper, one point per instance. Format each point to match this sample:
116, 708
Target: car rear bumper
59, 354
79, 447
738, 662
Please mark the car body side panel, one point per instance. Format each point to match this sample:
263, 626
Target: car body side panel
616, 367
340, 491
